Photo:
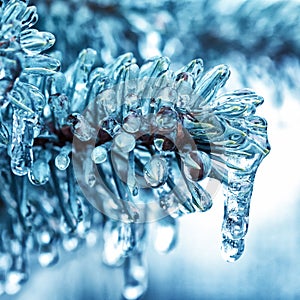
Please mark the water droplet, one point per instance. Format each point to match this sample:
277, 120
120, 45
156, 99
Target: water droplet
125, 142
196, 165
99, 155
156, 171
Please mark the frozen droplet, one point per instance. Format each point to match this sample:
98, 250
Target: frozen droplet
70, 242
62, 161
125, 142
39, 173
135, 277
80, 127
44, 236
165, 235
99, 155
232, 249
135, 191
158, 143
48, 255
156, 171
196, 165
166, 119
201, 198
132, 124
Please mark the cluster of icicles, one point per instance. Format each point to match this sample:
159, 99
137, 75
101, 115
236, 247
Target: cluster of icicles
138, 142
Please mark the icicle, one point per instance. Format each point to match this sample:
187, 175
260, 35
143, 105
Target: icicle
135, 276
166, 234
113, 254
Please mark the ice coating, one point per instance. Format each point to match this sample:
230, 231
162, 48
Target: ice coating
154, 136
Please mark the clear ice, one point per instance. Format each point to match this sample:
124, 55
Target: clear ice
137, 141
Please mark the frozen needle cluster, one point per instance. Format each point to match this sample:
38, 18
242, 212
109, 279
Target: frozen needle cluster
140, 142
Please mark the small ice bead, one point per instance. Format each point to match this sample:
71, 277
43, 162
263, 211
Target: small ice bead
62, 161
132, 124
196, 165
166, 119
80, 127
39, 173
99, 155
156, 171
125, 142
